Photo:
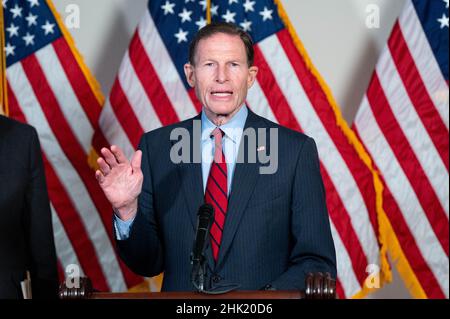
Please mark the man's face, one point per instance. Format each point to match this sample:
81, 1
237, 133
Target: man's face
221, 76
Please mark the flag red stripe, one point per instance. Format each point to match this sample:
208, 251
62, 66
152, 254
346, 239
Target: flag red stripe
151, 83
69, 144
409, 246
125, 114
64, 134
99, 141
277, 101
14, 109
77, 80
81, 88
360, 172
74, 228
285, 117
418, 94
342, 222
408, 161
407, 242
68, 215
194, 99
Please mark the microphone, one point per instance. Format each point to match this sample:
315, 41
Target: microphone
204, 222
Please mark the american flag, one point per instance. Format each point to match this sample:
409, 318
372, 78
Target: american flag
403, 122
151, 91
50, 88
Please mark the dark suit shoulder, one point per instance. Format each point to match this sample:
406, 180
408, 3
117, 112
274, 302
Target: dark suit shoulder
165, 131
284, 133
18, 141
15, 129
161, 135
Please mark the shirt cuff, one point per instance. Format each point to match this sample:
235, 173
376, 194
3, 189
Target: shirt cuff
122, 228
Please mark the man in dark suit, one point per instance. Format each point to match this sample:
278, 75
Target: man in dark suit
26, 235
270, 229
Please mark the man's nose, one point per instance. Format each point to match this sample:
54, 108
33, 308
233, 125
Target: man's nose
222, 74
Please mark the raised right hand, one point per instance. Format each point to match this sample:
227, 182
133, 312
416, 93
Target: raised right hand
120, 180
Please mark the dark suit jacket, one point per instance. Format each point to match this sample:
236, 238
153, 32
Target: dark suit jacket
26, 236
276, 230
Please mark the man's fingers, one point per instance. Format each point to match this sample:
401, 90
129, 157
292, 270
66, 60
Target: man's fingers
119, 155
103, 166
99, 176
136, 161
109, 157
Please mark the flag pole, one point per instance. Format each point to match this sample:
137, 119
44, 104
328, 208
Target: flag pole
208, 11
3, 92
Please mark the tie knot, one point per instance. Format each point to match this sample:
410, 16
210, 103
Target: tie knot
217, 133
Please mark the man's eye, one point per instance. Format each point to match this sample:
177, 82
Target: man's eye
209, 64
234, 64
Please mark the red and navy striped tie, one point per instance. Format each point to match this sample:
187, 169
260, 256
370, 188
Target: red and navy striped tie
217, 192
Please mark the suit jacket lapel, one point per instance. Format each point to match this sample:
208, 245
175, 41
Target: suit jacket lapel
192, 186
191, 177
244, 181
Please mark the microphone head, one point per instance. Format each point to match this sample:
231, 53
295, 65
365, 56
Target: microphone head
204, 223
206, 211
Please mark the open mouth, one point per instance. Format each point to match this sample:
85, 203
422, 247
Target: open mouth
221, 93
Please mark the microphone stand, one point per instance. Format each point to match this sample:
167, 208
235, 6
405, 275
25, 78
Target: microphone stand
198, 278
198, 272
198, 260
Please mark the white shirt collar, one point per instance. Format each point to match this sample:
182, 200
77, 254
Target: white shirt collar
232, 129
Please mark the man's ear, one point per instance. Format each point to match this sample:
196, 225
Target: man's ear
252, 73
189, 72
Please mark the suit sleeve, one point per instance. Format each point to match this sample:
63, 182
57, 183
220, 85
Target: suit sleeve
142, 251
44, 275
313, 247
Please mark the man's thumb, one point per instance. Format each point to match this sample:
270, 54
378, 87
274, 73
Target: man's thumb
136, 161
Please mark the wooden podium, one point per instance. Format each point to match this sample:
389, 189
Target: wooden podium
318, 286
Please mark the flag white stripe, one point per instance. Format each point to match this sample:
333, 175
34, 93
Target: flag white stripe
164, 67
64, 249
67, 174
339, 172
346, 273
403, 194
426, 63
411, 125
259, 103
137, 97
113, 131
64, 94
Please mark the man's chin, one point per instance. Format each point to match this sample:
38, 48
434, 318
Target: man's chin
224, 111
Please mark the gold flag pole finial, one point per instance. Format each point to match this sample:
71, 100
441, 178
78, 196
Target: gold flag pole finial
208, 11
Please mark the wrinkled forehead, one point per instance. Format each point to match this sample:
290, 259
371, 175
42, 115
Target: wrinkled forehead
221, 45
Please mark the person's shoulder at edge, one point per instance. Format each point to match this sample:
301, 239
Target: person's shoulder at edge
163, 133
11, 126
285, 134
